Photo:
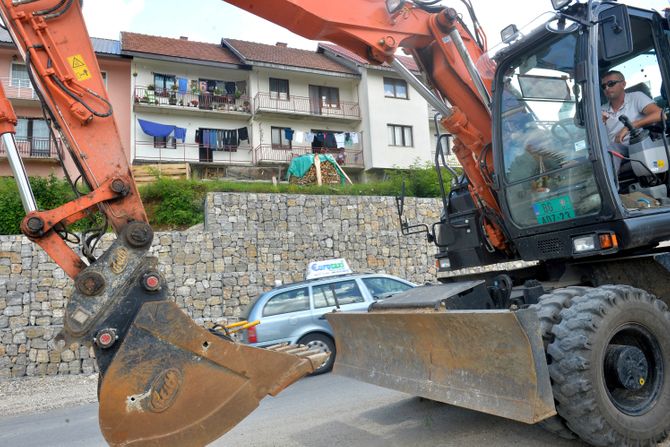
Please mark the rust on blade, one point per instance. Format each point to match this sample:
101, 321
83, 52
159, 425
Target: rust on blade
173, 383
489, 361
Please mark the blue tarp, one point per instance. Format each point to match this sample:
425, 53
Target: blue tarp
162, 130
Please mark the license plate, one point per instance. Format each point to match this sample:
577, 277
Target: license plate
554, 210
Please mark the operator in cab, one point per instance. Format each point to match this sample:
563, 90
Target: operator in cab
640, 109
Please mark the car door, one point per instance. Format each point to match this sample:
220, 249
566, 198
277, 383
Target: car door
327, 296
282, 316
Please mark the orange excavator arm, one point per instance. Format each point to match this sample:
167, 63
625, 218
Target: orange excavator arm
163, 379
443, 47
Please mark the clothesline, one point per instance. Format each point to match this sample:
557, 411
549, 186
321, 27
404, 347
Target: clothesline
323, 139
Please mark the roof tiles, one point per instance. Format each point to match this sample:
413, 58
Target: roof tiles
408, 61
252, 52
166, 46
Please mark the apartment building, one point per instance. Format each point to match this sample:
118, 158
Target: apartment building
399, 124
303, 102
240, 107
37, 149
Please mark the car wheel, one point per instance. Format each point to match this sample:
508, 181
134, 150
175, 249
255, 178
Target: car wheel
324, 344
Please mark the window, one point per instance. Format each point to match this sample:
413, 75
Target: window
279, 140
164, 83
33, 135
19, 76
379, 287
344, 292
548, 173
395, 88
400, 135
330, 97
279, 88
287, 302
168, 142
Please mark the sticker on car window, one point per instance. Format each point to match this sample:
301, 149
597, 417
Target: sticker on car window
554, 210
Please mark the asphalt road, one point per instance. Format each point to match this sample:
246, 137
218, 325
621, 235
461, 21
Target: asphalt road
322, 411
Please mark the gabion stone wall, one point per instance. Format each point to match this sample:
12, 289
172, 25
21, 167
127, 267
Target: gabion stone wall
248, 241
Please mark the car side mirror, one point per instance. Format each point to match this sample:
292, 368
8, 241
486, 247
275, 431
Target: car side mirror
616, 37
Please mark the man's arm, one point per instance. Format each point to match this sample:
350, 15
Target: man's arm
651, 114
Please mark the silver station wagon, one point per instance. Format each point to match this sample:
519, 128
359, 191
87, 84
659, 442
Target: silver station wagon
295, 312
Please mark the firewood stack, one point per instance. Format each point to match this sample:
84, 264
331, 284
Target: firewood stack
329, 175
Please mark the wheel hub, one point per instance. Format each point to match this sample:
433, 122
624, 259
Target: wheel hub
627, 365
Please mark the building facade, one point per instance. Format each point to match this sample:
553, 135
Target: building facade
37, 147
239, 107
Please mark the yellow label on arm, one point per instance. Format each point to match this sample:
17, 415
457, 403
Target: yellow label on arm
79, 67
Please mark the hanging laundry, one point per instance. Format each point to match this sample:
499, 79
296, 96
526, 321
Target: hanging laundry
155, 129
339, 139
288, 133
299, 137
243, 133
330, 140
348, 143
212, 140
183, 85
180, 134
354, 138
309, 137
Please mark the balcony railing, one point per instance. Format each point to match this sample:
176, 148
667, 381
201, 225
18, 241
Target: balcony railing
42, 148
266, 153
192, 101
303, 105
18, 89
192, 153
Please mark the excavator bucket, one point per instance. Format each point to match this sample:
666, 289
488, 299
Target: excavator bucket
491, 361
173, 383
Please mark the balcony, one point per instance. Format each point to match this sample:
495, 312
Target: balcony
201, 102
267, 154
303, 106
34, 148
192, 153
20, 89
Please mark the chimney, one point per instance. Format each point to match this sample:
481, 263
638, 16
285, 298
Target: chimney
281, 44
183, 37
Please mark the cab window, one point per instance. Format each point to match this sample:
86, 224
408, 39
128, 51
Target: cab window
342, 292
287, 302
547, 169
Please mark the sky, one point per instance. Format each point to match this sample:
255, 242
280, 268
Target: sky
212, 20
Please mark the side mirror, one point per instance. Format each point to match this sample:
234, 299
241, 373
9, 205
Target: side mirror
616, 37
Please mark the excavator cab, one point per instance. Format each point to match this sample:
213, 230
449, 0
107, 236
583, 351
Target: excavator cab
563, 179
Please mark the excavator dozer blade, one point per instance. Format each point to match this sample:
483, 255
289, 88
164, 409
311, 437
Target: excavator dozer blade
489, 361
173, 383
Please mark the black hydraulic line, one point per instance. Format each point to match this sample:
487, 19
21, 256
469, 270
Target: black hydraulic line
44, 12
72, 95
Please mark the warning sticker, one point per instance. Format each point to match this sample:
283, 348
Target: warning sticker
79, 67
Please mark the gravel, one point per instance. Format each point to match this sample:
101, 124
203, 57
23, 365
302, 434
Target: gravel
32, 395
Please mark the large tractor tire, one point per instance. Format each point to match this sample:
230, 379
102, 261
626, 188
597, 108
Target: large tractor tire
549, 308
610, 367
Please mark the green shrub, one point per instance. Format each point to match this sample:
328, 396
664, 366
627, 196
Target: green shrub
12, 209
420, 180
174, 203
50, 192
